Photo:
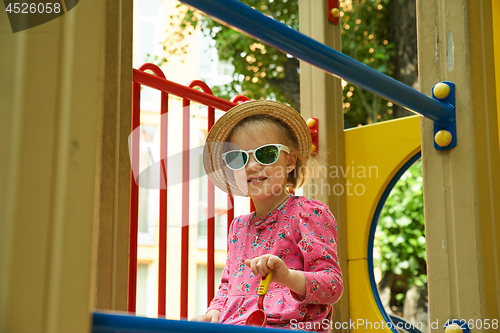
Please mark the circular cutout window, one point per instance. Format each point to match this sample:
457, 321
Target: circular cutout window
398, 258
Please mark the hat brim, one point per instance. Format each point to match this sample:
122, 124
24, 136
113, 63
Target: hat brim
216, 142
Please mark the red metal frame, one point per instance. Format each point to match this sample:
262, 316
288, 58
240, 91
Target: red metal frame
180, 90
205, 97
188, 93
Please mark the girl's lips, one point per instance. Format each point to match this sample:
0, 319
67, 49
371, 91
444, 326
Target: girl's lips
256, 180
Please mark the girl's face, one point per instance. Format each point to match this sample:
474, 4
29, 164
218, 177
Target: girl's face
261, 182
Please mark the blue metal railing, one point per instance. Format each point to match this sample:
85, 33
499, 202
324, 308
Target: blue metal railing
242, 17
122, 323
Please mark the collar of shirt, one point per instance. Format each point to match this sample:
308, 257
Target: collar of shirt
263, 221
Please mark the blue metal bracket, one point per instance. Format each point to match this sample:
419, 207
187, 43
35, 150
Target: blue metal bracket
451, 125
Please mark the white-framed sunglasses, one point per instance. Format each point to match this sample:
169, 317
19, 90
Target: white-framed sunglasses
265, 155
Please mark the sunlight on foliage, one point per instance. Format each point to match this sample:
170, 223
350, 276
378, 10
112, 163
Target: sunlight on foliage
264, 72
400, 234
365, 37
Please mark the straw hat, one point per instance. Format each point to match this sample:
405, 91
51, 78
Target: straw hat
216, 143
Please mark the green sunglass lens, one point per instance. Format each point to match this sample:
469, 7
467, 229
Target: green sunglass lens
236, 159
267, 154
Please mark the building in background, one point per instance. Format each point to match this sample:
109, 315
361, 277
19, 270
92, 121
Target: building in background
151, 20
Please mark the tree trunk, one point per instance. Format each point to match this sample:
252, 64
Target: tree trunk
415, 307
403, 31
384, 290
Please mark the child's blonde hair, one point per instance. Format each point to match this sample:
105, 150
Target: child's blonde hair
305, 165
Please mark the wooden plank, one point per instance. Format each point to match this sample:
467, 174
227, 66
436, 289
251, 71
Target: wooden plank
53, 87
113, 174
461, 186
321, 97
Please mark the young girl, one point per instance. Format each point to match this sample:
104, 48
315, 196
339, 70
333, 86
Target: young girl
258, 149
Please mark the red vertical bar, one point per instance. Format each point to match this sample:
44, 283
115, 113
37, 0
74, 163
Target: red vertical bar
252, 206
185, 208
210, 206
210, 227
162, 246
230, 211
134, 198
162, 230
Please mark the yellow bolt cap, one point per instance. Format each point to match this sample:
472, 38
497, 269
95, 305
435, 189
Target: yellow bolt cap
453, 328
311, 122
441, 90
443, 138
313, 148
335, 12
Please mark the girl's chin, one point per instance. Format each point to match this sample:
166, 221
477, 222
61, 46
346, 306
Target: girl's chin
261, 189
261, 193
254, 188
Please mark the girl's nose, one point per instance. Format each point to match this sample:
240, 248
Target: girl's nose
252, 164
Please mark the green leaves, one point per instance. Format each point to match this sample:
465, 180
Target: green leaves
400, 234
365, 37
264, 72
260, 70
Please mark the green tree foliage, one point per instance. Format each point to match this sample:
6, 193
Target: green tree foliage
400, 232
365, 37
264, 72
260, 70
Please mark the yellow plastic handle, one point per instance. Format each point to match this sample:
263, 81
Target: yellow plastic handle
264, 284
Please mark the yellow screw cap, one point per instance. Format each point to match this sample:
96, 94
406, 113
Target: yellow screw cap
313, 148
311, 122
335, 12
443, 138
441, 90
453, 328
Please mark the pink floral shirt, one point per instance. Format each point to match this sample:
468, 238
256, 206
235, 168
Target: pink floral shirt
303, 233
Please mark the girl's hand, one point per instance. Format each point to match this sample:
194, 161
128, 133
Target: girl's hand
263, 264
211, 316
294, 280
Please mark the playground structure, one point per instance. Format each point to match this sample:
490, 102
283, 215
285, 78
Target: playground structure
388, 167
461, 185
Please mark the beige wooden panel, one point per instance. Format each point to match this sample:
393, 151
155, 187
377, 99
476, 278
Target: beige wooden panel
113, 174
461, 186
52, 89
321, 97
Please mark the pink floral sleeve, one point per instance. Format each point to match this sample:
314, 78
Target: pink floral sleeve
318, 245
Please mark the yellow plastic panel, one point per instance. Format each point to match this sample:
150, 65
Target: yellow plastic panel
365, 315
373, 155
